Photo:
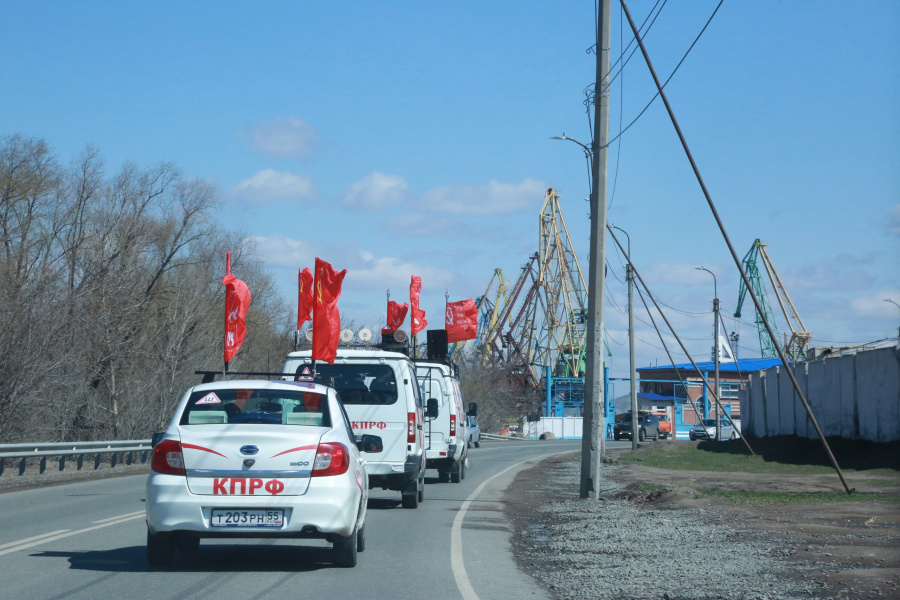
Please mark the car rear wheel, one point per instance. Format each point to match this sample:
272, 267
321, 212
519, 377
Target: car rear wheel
642, 435
732, 436
421, 490
344, 550
361, 538
456, 474
478, 444
160, 549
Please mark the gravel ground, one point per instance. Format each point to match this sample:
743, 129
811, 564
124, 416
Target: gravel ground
625, 547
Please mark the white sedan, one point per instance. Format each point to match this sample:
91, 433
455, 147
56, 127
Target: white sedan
258, 459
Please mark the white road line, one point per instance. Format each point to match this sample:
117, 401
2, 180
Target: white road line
140, 512
31, 539
23, 546
456, 555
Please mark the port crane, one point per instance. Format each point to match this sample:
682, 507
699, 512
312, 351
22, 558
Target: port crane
796, 344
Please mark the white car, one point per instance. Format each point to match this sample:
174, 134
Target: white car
258, 459
474, 429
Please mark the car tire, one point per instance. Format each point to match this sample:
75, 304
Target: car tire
456, 474
361, 538
478, 444
617, 437
732, 436
642, 435
421, 491
656, 437
160, 549
410, 500
343, 550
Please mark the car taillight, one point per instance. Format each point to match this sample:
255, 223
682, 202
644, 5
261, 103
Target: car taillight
411, 429
167, 458
331, 459
452, 425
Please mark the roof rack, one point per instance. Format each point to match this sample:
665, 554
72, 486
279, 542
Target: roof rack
210, 376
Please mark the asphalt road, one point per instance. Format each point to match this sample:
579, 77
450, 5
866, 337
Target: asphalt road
87, 540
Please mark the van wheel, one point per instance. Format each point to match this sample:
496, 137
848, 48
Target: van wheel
421, 489
732, 436
410, 500
160, 549
478, 444
361, 538
456, 474
443, 476
344, 551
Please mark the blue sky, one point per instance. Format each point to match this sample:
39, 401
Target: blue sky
406, 138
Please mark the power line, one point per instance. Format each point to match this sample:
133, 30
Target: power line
656, 95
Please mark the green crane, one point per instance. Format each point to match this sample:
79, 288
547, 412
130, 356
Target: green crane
766, 346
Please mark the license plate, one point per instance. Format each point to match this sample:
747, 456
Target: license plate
247, 518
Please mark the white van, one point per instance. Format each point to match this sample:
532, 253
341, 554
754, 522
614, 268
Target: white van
446, 446
380, 392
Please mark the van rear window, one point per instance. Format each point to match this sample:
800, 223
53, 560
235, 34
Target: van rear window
271, 407
373, 384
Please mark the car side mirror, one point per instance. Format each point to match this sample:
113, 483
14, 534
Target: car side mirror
473, 409
369, 443
431, 408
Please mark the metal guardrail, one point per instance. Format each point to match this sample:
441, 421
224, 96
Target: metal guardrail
504, 438
23, 452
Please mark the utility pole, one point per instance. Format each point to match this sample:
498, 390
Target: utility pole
594, 417
629, 276
716, 352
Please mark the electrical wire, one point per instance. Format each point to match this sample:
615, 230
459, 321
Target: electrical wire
656, 95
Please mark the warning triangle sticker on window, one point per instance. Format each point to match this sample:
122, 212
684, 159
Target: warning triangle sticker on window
306, 374
210, 398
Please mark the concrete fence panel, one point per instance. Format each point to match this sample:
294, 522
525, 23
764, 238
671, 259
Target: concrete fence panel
846, 366
802, 425
773, 413
878, 394
786, 420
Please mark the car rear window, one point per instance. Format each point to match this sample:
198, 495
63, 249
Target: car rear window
356, 383
255, 406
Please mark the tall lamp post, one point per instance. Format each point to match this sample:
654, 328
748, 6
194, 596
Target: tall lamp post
715, 350
898, 306
629, 275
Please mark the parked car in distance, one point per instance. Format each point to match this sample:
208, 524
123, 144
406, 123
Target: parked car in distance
474, 431
648, 427
665, 424
706, 430
258, 459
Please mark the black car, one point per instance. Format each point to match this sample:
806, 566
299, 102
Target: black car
648, 427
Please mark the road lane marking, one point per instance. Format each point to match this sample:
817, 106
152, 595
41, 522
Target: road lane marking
456, 555
53, 538
139, 512
31, 539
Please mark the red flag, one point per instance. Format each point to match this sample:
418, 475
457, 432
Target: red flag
395, 317
326, 317
418, 322
304, 297
462, 321
237, 301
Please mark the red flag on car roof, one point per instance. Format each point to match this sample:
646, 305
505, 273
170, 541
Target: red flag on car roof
417, 319
237, 301
461, 321
326, 317
304, 297
396, 314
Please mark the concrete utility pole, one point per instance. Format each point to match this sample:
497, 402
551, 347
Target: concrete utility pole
629, 276
593, 430
716, 352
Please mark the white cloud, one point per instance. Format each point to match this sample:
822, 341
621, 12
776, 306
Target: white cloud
487, 199
892, 226
270, 186
874, 305
376, 192
290, 137
376, 273
280, 251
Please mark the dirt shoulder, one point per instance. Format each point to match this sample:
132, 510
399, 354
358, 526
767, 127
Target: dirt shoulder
840, 549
